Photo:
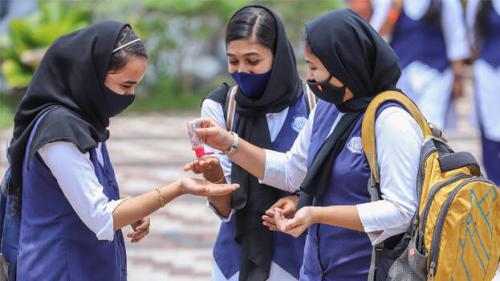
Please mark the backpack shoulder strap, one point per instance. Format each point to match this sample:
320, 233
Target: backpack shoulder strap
368, 126
230, 107
309, 97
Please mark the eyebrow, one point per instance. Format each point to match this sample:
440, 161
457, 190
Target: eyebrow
245, 55
130, 82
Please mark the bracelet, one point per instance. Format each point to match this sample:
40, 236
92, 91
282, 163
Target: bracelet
162, 201
234, 146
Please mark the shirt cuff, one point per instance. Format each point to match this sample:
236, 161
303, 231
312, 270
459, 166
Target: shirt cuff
459, 53
107, 232
371, 213
223, 219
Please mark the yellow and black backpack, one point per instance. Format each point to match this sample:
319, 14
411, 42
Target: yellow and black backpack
455, 234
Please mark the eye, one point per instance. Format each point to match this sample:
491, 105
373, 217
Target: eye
126, 87
253, 62
312, 69
233, 62
311, 65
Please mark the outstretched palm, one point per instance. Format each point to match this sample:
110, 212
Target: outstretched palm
206, 188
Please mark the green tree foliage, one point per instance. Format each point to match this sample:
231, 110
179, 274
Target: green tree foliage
166, 27
29, 37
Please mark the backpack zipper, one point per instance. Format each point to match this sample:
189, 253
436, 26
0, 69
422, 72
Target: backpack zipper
420, 175
432, 194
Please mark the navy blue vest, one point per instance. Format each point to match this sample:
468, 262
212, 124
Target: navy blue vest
334, 253
416, 40
54, 243
288, 251
491, 46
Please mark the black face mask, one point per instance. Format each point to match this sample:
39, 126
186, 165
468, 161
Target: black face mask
116, 102
328, 92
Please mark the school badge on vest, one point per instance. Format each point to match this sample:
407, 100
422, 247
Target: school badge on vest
298, 123
355, 145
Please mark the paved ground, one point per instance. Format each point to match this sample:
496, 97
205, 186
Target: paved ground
149, 151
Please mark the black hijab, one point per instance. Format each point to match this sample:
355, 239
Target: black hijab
252, 199
355, 54
69, 87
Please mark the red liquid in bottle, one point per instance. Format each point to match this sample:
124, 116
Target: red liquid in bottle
199, 151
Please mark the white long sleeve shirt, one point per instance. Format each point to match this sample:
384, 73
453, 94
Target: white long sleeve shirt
399, 140
76, 177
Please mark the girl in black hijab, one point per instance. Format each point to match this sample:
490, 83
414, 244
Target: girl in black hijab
348, 65
68, 203
270, 109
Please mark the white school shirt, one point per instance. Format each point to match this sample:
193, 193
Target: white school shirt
399, 140
214, 110
76, 177
452, 21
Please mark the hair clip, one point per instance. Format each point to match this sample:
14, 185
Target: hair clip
125, 45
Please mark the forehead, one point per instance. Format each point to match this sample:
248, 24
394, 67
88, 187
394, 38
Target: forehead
309, 56
243, 47
133, 70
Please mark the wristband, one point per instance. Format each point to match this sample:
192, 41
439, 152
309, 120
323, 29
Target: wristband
234, 146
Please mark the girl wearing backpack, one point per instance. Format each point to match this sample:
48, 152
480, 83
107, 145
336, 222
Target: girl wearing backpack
268, 107
68, 202
348, 65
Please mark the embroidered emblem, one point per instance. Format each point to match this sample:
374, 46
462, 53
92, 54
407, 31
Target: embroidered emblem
298, 123
355, 145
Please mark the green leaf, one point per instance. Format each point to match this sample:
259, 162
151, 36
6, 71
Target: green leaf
15, 75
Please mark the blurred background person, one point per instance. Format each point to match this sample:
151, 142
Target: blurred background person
483, 21
429, 37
